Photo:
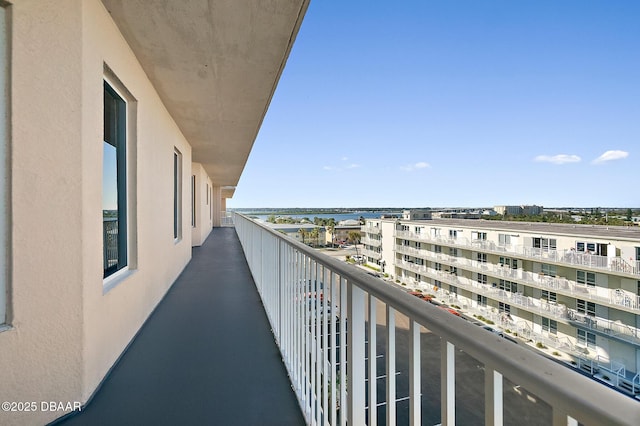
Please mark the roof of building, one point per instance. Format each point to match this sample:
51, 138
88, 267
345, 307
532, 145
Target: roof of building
604, 231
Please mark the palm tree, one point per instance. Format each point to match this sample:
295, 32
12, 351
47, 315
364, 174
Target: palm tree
303, 233
315, 233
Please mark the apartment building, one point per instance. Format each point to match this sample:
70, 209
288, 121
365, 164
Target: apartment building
123, 125
574, 288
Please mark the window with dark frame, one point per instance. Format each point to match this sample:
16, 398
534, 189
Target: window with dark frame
114, 182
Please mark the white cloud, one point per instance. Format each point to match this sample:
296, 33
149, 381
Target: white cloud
328, 168
344, 158
353, 166
416, 166
610, 156
558, 159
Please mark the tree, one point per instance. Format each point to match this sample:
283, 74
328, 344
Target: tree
331, 229
353, 237
629, 215
303, 233
271, 218
315, 233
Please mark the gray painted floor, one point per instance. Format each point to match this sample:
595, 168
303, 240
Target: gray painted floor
206, 356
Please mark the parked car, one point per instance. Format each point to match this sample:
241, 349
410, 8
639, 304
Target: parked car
422, 296
450, 310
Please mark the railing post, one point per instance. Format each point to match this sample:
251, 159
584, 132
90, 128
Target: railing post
448, 382
414, 373
355, 355
391, 366
493, 410
373, 381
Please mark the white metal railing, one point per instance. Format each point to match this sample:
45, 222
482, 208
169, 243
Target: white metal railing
567, 256
371, 242
609, 327
606, 296
371, 229
312, 300
370, 253
226, 218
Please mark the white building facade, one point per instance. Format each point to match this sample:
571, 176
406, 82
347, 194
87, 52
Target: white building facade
575, 288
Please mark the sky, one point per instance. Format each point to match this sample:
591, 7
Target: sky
454, 104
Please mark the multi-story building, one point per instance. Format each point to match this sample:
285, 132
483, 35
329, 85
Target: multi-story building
571, 287
519, 210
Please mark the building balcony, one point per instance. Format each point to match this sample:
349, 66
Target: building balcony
372, 254
367, 229
611, 297
371, 242
613, 265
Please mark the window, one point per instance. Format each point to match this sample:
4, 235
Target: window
586, 278
504, 239
550, 296
453, 270
482, 278
507, 261
453, 252
177, 195
417, 229
5, 209
586, 339
418, 245
193, 201
508, 286
637, 253
453, 289
545, 244
579, 246
114, 182
453, 233
438, 266
481, 257
482, 300
549, 325
418, 277
478, 235
437, 249
549, 269
587, 308
503, 307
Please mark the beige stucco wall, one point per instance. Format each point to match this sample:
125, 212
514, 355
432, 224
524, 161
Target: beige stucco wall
112, 319
204, 221
66, 330
42, 355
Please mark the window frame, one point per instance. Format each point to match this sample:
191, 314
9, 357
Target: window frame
120, 132
5, 167
177, 195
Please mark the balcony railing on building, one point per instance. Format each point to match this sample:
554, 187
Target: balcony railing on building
617, 298
571, 257
324, 313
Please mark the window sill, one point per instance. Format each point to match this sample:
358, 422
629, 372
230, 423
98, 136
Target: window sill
114, 280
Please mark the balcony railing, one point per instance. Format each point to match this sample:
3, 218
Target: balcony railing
371, 242
372, 254
110, 241
614, 297
571, 257
371, 229
226, 218
312, 300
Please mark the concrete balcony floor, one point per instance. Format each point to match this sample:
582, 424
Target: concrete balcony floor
205, 356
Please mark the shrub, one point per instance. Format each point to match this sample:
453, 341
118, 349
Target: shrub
556, 353
507, 331
540, 345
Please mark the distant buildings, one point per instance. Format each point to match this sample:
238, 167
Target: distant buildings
519, 210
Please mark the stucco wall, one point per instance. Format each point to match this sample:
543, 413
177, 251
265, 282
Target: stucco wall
204, 220
66, 330
112, 319
42, 354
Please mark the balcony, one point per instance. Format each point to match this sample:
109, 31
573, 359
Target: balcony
376, 230
614, 265
207, 354
372, 254
371, 242
611, 297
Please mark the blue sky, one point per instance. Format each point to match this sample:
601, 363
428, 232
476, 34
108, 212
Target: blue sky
454, 103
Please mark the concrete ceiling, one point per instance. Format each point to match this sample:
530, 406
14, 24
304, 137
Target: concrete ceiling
215, 65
